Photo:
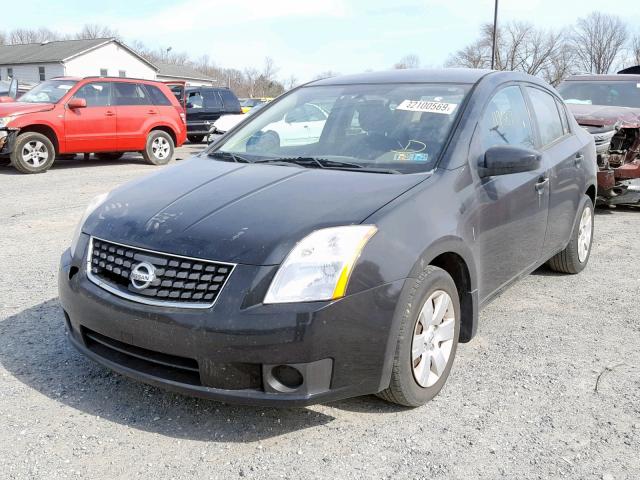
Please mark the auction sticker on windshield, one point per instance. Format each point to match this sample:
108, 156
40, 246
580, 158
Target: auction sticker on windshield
427, 107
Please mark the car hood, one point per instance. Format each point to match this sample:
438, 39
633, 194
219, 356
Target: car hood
603, 115
249, 214
19, 108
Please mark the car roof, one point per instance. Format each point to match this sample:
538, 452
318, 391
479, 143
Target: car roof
626, 77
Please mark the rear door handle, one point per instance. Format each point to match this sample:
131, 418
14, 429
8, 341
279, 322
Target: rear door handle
152, 112
109, 113
542, 183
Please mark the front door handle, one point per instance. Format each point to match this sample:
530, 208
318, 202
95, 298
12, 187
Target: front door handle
578, 159
542, 183
109, 113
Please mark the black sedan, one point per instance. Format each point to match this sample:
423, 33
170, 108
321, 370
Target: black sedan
340, 242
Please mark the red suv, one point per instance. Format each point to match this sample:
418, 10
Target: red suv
105, 116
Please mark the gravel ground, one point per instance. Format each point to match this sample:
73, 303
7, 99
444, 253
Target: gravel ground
521, 401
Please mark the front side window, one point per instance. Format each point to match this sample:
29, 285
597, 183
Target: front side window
614, 93
547, 115
50, 91
402, 127
125, 93
95, 94
506, 120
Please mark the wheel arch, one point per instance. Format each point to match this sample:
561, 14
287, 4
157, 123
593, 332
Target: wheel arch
45, 130
167, 129
455, 257
591, 193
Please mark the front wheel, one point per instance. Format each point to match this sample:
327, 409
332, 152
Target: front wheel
427, 340
575, 256
32, 153
159, 148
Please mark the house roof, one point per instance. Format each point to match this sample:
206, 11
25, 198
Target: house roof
56, 51
182, 71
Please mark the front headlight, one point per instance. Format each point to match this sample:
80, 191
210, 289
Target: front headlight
4, 121
319, 266
93, 204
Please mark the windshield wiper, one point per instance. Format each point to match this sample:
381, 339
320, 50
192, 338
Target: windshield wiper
226, 156
314, 162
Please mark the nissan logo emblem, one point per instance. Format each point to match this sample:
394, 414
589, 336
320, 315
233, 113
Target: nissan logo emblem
142, 275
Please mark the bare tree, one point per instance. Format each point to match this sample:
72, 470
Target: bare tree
635, 49
28, 35
291, 82
251, 75
598, 40
520, 47
94, 30
408, 61
3, 38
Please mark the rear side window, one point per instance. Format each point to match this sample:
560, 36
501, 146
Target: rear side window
211, 99
157, 97
231, 102
95, 94
547, 115
506, 120
129, 94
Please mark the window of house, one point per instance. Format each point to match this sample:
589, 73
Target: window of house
9, 72
104, 72
41, 73
122, 73
547, 115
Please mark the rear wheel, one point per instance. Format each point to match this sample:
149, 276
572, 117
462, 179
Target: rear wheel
575, 256
109, 155
427, 341
159, 148
195, 138
32, 153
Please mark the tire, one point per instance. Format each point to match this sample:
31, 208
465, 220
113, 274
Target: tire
270, 141
109, 155
195, 138
159, 150
411, 384
32, 153
576, 255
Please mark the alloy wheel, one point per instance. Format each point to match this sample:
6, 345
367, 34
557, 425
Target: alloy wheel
35, 153
160, 148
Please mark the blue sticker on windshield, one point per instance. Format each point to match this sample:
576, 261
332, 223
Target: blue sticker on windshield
410, 157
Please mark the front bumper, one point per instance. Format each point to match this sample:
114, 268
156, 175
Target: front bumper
228, 352
7, 140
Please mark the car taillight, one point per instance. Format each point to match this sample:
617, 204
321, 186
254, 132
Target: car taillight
183, 117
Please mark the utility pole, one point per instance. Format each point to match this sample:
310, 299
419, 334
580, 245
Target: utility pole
495, 26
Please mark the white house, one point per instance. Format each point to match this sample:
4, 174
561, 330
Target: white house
34, 62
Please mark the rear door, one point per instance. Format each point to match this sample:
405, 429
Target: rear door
91, 129
562, 155
134, 111
511, 209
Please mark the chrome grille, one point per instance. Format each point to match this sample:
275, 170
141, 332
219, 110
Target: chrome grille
177, 281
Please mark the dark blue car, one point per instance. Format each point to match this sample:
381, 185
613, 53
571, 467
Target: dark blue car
304, 258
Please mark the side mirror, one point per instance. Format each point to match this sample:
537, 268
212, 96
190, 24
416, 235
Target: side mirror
77, 103
506, 159
13, 88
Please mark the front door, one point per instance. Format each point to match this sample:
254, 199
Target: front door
91, 129
510, 210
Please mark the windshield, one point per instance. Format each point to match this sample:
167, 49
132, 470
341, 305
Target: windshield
615, 94
50, 91
400, 127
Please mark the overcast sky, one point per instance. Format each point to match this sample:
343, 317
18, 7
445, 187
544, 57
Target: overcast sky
307, 37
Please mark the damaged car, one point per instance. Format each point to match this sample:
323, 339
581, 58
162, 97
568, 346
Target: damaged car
608, 107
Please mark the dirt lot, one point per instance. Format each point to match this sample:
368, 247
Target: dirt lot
521, 401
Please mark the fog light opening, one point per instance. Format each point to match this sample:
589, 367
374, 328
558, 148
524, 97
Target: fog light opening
285, 378
72, 272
